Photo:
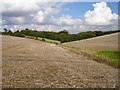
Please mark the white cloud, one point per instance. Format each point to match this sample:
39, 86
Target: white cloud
101, 15
19, 7
68, 20
14, 20
46, 16
39, 17
33, 14
0, 20
33, 11
18, 20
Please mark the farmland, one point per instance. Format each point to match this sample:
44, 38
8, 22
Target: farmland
29, 63
103, 48
59, 44
105, 42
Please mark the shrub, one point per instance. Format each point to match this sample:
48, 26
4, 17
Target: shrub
36, 38
43, 39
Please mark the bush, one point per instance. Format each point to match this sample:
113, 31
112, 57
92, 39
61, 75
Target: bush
56, 43
43, 39
19, 35
36, 38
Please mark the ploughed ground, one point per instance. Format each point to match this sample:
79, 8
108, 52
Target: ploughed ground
105, 42
28, 63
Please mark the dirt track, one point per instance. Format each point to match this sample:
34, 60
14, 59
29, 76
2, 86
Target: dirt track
31, 63
105, 42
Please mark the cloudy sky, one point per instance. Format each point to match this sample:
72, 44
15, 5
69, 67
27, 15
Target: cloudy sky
56, 16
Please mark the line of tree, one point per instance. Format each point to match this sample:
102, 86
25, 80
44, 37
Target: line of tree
62, 36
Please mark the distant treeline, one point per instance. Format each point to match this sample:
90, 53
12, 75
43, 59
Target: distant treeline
62, 36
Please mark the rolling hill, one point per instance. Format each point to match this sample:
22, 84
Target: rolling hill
105, 42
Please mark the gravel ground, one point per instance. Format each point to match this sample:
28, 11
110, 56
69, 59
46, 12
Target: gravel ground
105, 42
35, 64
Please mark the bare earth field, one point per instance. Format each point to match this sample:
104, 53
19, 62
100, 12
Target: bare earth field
106, 42
31, 63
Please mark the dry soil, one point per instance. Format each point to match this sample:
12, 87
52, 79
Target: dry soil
36, 64
105, 42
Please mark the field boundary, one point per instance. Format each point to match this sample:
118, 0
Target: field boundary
90, 54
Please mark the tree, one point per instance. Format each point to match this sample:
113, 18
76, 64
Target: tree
10, 32
64, 31
26, 29
6, 30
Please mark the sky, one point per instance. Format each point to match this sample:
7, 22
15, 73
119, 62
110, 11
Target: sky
56, 16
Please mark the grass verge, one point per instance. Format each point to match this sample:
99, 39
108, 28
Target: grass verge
44, 39
111, 58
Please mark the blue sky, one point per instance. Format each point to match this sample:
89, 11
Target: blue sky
78, 9
55, 16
